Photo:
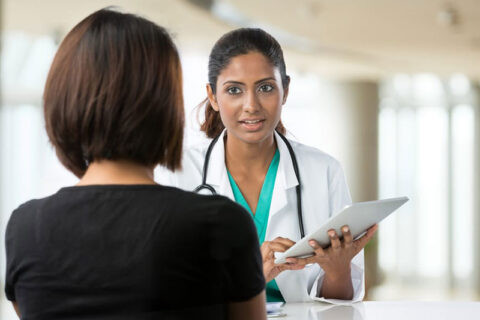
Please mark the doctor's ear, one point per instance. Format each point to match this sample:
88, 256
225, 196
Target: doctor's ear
285, 90
212, 98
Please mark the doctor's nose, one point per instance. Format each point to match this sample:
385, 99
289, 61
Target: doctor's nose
251, 104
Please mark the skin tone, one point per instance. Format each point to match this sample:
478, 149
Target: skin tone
249, 97
117, 172
17, 310
250, 93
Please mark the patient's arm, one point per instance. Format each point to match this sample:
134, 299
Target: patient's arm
252, 309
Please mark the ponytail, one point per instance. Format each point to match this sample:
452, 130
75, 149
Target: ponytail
212, 125
232, 44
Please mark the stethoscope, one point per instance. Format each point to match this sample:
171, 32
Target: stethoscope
206, 186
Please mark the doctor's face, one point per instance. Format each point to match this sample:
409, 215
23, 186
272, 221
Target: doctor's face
249, 97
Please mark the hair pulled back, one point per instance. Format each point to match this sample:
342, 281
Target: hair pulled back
234, 43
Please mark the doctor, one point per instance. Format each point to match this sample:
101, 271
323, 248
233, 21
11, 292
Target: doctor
250, 162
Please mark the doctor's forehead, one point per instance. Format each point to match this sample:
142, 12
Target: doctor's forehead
249, 68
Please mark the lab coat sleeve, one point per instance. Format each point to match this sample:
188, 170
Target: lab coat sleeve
166, 177
358, 283
186, 178
339, 194
339, 197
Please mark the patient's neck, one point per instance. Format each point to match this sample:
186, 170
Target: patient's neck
117, 172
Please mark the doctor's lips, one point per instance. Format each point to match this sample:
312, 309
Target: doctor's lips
252, 124
251, 120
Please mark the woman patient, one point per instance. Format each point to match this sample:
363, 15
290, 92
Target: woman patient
118, 245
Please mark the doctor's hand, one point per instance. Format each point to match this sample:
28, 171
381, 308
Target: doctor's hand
335, 260
268, 249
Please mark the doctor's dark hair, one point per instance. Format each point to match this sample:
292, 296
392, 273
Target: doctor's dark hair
234, 43
114, 91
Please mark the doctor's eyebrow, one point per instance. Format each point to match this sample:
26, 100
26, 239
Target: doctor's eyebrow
256, 82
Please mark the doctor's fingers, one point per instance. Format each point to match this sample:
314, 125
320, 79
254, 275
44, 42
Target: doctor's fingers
334, 240
362, 242
347, 237
266, 251
319, 255
284, 241
291, 266
277, 246
309, 260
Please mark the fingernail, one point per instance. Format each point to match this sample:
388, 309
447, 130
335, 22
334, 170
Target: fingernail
331, 233
312, 243
345, 229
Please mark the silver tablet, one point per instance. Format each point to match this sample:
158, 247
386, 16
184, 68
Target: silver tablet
358, 216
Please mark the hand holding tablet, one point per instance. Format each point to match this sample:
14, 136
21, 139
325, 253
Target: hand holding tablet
358, 217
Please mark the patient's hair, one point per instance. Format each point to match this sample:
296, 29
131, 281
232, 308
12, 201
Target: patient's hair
114, 91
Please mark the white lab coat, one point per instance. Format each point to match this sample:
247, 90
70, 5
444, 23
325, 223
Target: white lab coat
324, 193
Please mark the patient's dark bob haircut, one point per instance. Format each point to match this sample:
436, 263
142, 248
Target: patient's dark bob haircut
114, 91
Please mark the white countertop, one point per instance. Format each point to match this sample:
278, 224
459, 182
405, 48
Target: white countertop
382, 310
370, 310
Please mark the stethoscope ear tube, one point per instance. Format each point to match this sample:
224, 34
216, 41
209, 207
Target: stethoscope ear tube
206, 186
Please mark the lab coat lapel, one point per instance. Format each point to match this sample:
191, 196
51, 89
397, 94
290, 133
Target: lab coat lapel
290, 283
217, 171
285, 179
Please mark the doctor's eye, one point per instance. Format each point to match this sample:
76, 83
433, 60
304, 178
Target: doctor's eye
266, 88
234, 90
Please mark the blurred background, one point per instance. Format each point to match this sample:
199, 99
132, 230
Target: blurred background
389, 87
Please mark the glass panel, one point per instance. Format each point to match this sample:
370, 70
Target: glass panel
432, 205
387, 163
407, 244
462, 135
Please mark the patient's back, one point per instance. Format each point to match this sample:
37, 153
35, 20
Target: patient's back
130, 251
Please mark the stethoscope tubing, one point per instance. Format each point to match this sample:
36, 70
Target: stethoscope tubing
298, 187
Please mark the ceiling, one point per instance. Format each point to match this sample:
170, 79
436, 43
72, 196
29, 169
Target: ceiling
347, 39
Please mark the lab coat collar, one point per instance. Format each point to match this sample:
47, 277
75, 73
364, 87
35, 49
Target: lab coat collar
217, 170
286, 179
285, 166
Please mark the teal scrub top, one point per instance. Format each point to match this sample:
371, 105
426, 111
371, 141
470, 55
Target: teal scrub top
261, 215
